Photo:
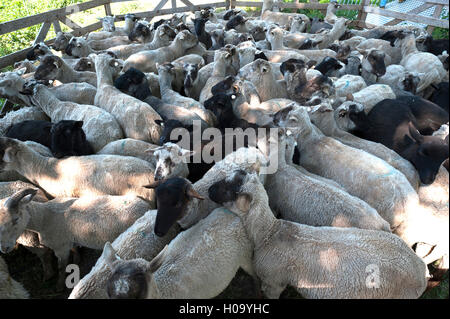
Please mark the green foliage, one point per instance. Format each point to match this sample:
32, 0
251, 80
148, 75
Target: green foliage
15, 9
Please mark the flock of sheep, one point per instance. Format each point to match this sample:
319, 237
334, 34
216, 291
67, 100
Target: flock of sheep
356, 208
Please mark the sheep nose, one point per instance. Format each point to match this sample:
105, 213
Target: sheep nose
159, 234
158, 174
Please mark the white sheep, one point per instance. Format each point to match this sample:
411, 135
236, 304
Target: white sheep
318, 261
136, 118
138, 241
349, 84
10, 176
128, 147
305, 200
29, 239
146, 60
328, 120
282, 19
63, 222
222, 60
247, 159
53, 67
421, 62
13, 87
371, 95
261, 74
358, 172
187, 268
109, 28
169, 96
162, 38
77, 176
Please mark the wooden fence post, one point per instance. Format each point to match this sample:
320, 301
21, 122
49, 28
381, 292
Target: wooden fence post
437, 15
233, 4
56, 26
362, 15
108, 11
42, 32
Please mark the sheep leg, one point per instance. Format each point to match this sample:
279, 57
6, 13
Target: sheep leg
271, 291
63, 259
46, 257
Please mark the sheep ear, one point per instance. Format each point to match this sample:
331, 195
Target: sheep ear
110, 255
415, 133
154, 184
434, 125
282, 114
256, 167
186, 153
9, 155
192, 193
158, 260
243, 202
79, 124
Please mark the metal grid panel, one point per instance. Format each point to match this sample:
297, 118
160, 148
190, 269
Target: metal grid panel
403, 7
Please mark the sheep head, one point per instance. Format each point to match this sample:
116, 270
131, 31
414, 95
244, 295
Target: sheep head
237, 191
108, 23
374, 61
172, 197
132, 279
14, 218
140, 32
129, 277
38, 50
12, 87
170, 160
49, 69
61, 41
186, 40
341, 115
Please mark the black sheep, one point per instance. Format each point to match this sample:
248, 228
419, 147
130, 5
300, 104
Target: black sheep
134, 83
440, 96
429, 116
65, 138
391, 123
203, 36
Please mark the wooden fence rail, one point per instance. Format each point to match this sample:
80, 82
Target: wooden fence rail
57, 16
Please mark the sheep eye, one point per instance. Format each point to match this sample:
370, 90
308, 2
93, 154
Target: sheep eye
341, 114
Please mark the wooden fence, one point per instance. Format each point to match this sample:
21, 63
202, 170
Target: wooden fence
57, 16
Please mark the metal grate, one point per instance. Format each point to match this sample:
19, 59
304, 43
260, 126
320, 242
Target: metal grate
404, 7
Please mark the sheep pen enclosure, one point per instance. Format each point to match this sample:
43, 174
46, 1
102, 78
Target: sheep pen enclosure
78, 17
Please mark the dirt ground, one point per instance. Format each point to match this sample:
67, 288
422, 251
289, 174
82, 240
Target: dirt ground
26, 268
